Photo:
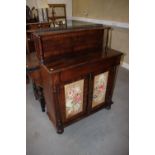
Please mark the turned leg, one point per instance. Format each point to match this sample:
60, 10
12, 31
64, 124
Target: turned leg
60, 131
108, 106
38, 93
35, 91
60, 128
41, 99
42, 104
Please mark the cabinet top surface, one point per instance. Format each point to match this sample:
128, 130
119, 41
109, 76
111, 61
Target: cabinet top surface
74, 60
71, 25
69, 61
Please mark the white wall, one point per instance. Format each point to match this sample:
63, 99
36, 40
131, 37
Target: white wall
36, 3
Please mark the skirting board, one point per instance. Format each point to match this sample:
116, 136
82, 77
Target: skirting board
100, 21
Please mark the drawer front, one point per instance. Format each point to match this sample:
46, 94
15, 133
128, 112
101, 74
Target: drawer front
88, 68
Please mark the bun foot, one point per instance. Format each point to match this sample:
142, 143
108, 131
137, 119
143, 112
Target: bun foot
60, 131
60, 128
108, 107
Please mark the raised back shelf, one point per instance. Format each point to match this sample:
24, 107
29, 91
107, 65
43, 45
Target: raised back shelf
75, 37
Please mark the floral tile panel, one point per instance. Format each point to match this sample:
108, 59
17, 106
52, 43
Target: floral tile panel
74, 98
99, 90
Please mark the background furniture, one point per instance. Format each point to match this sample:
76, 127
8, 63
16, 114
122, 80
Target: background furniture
37, 19
33, 72
41, 18
57, 14
32, 62
30, 29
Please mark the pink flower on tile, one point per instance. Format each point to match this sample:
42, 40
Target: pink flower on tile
101, 88
77, 98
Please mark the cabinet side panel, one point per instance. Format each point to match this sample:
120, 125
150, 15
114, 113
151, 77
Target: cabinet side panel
48, 95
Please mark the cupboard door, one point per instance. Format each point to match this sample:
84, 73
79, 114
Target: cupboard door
99, 88
74, 96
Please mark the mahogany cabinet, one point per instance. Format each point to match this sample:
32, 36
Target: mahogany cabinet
79, 88
77, 73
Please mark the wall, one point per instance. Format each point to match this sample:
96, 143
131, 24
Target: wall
36, 3
44, 3
120, 41
115, 11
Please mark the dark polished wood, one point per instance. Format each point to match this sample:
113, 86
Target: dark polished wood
67, 41
30, 29
67, 55
60, 71
37, 25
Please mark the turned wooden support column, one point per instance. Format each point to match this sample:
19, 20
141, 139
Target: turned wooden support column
38, 93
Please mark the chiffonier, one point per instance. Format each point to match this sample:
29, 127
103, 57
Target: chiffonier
77, 71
